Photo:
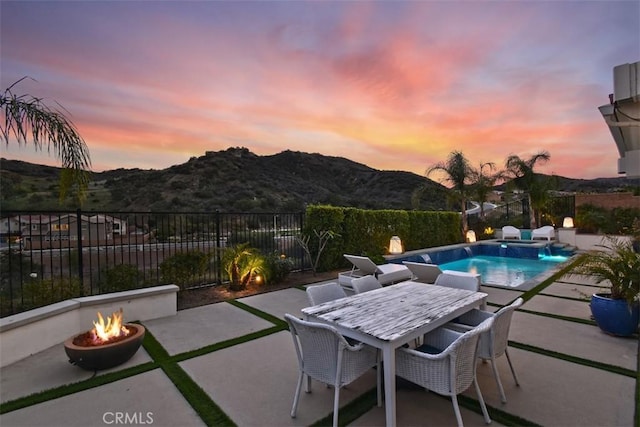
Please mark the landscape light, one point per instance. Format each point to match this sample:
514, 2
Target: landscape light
395, 245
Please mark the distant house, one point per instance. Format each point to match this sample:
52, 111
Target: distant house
50, 231
10, 227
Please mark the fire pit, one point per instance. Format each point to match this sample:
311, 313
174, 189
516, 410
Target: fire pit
105, 346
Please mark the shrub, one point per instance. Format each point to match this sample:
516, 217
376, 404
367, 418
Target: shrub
277, 268
120, 278
47, 291
184, 268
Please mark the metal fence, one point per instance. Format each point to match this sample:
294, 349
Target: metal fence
52, 256
517, 213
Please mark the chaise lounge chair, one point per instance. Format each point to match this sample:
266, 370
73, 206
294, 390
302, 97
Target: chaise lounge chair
422, 272
546, 232
510, 232
363, 266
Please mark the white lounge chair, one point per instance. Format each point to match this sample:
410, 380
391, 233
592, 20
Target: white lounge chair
363, 266
422, 272
546, 232
510, 232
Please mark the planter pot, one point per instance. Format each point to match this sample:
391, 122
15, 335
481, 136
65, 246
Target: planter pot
614, 316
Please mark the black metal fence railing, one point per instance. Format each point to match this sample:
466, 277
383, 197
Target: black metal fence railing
52, 256
517, 213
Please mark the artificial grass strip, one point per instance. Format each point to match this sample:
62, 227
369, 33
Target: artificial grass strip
574, 359
228, 343
351, 411
266, 316
553, 278
565, 297
206, 408
559, 317
154, 348
495, 414
67, 389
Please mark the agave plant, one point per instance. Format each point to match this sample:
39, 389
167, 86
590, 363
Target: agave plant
616, 263
242, 263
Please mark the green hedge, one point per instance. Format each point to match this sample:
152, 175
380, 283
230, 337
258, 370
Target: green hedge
367, 232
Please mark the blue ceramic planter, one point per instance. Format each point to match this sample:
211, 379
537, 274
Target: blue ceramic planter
614, 316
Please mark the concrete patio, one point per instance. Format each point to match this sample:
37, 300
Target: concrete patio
242, 361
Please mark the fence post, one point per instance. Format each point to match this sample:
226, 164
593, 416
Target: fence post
218, 257
80, 263
526, 215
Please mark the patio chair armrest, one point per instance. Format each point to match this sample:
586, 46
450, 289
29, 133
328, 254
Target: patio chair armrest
458, 327
422, 354
441, 338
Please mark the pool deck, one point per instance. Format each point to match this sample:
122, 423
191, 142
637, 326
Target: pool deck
571, 374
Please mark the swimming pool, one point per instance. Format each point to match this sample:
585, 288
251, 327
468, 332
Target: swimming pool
505, 271
510, 264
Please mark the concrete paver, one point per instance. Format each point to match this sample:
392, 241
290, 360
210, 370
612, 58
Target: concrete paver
576, 339
554, 392
572, 290
559, 306
266, 383
49, 369
148, 398
278, 303
254, 382
198, 327
500, 296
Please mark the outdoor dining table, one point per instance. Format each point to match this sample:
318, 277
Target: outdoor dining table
390, 317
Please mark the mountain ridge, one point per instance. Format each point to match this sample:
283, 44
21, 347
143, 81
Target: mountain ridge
236, 179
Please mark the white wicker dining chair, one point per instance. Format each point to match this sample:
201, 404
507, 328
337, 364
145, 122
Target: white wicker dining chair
365, 284
317, 294
324, 355
459, 280
445, 364
493, 343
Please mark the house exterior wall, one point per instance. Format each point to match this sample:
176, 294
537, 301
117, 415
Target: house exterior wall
608, 200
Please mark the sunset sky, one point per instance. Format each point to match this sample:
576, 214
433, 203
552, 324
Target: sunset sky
394, 85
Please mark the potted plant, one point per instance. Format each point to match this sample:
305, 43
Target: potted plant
635, 234
616, 312
242, 264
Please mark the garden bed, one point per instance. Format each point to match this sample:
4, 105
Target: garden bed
209, 295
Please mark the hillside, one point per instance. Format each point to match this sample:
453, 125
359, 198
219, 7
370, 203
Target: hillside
231, 180
237, 180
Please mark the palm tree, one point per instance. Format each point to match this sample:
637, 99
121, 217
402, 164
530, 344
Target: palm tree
27, 117
458, 173
241, 263
528, 181
483, 183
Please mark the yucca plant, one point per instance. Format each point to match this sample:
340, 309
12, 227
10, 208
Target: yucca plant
617, 263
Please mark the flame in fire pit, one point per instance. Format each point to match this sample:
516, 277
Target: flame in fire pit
114, 328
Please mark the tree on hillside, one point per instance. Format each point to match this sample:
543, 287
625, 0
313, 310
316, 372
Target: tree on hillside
483, 183
459, 174
28, 118
524, 178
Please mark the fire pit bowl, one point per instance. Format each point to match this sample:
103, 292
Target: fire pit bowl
108, 355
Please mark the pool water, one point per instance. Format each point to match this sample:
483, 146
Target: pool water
504, 271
